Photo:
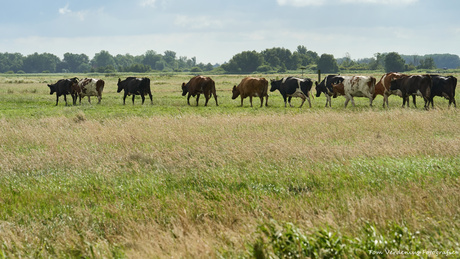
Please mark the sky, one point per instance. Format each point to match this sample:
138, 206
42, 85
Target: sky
214, 31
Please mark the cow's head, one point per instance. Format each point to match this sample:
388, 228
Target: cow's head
52, 89
235, 92
184, 89
275, 84
395, 85
120, 85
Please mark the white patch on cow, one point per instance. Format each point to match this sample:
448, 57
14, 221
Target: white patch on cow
284, 80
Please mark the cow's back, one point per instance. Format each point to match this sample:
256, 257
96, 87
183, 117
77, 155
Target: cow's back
251, 86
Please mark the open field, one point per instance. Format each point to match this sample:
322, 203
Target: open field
171, 180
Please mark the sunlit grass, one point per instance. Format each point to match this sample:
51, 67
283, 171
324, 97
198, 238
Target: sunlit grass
172, 180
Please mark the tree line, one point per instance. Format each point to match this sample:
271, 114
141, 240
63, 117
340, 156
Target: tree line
273, 60
102, 62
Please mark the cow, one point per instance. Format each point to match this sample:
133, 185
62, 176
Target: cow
252, 87
443, 86
355, 86
293, 87
383, 87
413, 85
326, 87
200, 85
64, 87
90, 87
135, 86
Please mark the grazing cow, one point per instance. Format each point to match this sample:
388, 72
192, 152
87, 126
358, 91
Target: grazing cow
135, 86
326, 87
413, 85
65, 87
91, 87
383, 87
355, 86
293, 87
252, 87
200, 85
444, 87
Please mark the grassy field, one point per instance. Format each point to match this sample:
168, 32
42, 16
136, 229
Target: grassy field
172, 180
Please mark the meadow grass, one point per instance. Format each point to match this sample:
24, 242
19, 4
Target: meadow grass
172, 180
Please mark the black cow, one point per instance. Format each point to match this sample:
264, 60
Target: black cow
293, 87
65, 87
326, 87
135, 86
413, 85
445, 87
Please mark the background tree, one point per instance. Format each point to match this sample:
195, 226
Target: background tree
38, 63
11, 62
394, 62
427, 63
327, 64
244, 62
151, 58
76, 62
103, 60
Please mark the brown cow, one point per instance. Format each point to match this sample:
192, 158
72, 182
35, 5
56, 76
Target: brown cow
383, 86
200, 85
252, 87
90, 87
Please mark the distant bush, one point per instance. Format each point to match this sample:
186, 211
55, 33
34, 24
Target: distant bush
196, 69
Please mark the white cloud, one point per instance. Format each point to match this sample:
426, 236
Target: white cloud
65, 10
148, 3
383, 2
301, 3
197, 22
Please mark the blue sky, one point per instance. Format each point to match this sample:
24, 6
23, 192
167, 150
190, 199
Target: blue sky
214, 31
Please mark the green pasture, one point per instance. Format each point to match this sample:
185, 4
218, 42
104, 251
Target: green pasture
172, 180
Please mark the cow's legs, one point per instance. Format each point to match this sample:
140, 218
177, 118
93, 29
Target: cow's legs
188, 98
151, 98
207, 97
346, 101
65, 99
197, 99
328, 100
285, 101
250, 100
143, 99
89, 99
289, 101
370, 101
241, 101
99, 98
124, 98
309, 101
261, 101
134, 97
266, 100
303, 101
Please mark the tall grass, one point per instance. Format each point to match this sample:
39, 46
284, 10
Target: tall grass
171, 180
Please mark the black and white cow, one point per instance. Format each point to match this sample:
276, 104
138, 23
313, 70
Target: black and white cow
65, 87
135, 86
326, 86
413, 85
443, 86
293, 87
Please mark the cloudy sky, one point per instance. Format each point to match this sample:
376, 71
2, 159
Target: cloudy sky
215, 30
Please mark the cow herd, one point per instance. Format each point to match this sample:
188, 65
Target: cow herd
426, 86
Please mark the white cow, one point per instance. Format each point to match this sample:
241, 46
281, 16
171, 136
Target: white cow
91, 87
355, 86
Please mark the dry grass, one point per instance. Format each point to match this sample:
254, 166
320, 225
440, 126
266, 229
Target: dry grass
198, 185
